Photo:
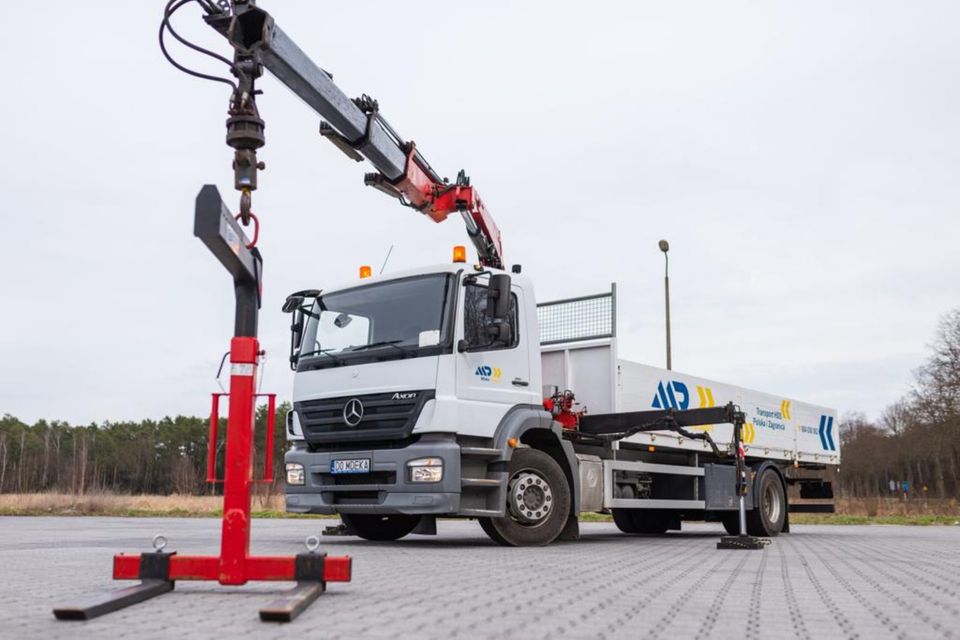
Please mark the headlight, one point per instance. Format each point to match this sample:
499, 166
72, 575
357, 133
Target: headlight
425, 470
295, 473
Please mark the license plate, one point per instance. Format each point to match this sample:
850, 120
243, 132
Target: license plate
350, 466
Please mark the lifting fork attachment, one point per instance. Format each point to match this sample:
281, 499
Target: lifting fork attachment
159, 571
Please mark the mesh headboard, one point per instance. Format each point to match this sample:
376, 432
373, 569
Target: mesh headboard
583, 318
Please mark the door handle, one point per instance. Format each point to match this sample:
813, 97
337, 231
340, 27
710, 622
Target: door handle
517, 382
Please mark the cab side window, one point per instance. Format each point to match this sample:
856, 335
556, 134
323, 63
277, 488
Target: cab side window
476, 318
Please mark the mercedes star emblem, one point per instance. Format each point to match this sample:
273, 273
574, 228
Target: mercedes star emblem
353, 412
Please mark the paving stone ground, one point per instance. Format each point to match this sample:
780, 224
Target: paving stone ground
818, 582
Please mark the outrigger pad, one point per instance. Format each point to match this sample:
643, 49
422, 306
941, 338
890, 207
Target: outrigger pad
742, 542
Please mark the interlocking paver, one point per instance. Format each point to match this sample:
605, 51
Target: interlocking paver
817, 582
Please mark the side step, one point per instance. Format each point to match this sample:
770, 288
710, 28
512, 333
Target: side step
479, 513
481, 452
479, 483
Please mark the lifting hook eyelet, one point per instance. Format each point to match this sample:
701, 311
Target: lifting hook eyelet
256, 227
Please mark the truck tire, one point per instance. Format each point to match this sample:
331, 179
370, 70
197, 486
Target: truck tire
380, 527
731, 522
538, 502
623, 518
768, 516
650, 521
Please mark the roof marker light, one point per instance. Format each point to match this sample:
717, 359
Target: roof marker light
366, 271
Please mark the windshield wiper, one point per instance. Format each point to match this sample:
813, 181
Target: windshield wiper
321, 352
382, 343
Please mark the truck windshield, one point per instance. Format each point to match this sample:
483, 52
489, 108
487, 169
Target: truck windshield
397, 319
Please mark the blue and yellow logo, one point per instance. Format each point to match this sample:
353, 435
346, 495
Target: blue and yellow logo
489, 374
675, 395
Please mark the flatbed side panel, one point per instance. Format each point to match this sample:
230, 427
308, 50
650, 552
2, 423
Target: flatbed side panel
587, 367
778, 427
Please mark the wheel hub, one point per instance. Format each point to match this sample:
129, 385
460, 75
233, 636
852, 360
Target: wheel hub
772, 503
531, 497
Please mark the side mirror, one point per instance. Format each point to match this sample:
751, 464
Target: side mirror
296, 335
498, 297
292, 303
295, 300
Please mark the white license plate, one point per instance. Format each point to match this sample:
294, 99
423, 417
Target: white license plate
350, 466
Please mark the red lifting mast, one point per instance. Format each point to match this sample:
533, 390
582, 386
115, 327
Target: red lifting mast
158, 571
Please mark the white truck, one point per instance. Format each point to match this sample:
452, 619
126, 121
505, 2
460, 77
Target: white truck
447, 391
420, 394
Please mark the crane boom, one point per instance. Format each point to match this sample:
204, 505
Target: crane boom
355, 126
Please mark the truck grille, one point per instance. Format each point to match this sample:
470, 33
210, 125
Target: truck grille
382, 416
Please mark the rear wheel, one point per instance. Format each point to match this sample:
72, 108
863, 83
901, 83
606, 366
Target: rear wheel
731, 522
623, 518
643, 521
653, 521
380, 527
538, 502
770, 506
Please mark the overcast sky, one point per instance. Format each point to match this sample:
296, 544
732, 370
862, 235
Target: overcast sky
801, 157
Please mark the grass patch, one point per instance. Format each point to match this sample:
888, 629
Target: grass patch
126, 506
842, 518
272, 506
595, 517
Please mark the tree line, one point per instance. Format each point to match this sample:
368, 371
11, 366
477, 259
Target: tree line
148, 457
913, 449
915, 441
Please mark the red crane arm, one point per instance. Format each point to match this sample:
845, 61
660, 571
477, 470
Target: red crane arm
354, 126
420, 189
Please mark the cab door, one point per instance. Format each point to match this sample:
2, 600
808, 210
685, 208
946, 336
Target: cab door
491, 378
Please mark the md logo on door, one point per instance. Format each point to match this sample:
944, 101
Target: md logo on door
489, 374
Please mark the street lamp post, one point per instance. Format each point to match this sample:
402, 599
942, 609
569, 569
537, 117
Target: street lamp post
665, 247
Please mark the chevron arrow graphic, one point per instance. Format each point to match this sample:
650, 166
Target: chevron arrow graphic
785, 410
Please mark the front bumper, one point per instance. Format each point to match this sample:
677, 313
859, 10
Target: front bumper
386, 489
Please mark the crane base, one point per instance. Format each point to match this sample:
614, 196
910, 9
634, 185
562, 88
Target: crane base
742, 542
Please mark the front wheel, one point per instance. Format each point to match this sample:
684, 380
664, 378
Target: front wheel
538, 502
378, 527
